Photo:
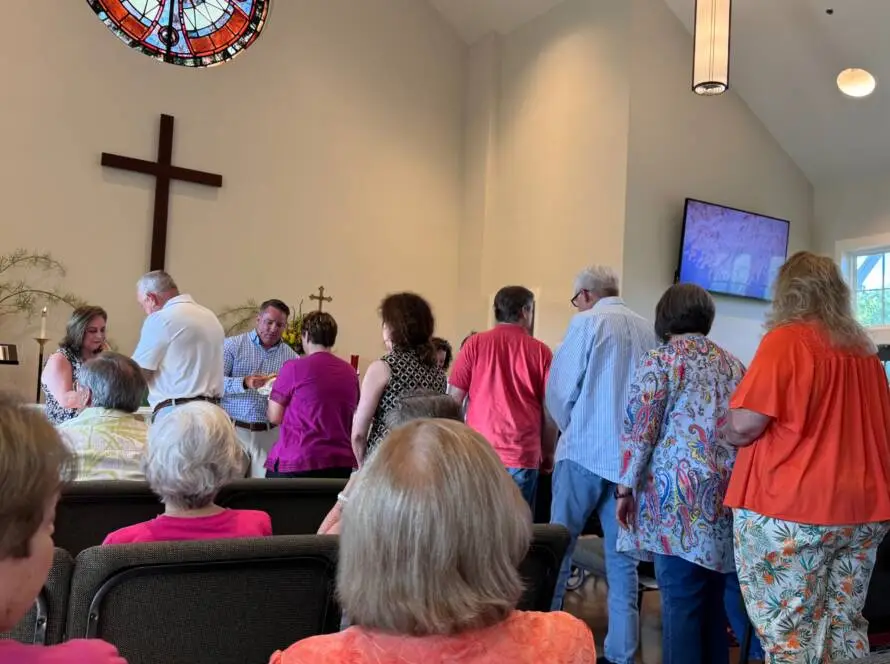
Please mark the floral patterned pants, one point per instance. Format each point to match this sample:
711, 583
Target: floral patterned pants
804, 586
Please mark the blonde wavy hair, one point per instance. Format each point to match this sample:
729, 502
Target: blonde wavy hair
811, 288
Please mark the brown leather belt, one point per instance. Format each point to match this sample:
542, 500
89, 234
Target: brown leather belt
179, 402
255, 426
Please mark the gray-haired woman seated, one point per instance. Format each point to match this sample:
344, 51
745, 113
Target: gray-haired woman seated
427, 576
192, 454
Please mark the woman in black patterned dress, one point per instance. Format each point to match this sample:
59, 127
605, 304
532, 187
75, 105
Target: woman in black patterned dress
410, 365
84, 339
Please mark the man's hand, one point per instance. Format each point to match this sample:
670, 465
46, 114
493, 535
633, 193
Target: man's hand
547, 464
255, 382
626, 510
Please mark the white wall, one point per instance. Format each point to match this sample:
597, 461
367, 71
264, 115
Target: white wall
546, 169
338, 134
850, 210
713, 149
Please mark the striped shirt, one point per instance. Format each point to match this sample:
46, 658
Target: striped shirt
244, 355
589, 383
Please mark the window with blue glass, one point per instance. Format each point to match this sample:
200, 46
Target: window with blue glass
191, 33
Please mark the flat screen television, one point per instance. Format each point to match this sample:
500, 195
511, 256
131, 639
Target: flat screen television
731, 252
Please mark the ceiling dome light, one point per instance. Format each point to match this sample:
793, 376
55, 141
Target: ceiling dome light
856, 82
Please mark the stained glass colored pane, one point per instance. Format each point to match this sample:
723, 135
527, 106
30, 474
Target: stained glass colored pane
191, 33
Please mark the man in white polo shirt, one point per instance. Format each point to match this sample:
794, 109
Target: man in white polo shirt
181, 346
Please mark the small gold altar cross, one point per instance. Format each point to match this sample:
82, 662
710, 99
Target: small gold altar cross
321, 297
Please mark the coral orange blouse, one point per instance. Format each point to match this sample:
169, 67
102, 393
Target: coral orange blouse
523, 638
824, 458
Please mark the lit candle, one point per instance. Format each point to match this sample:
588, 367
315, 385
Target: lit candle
43, 324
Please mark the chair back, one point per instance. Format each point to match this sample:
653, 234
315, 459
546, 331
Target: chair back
297, 506
44, 624
88, 511
540, 568
228, 601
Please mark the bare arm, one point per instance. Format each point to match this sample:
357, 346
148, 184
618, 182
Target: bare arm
745, 426
549, 436
457, 394
375, 381
58, 379
274, 412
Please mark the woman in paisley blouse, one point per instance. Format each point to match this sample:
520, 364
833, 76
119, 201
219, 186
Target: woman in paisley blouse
410, 365
84, 339
675, 468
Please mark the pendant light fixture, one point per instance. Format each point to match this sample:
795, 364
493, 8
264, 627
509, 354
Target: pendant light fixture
710, 60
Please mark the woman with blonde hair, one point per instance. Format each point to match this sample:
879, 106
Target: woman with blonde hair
811, 485
427, 576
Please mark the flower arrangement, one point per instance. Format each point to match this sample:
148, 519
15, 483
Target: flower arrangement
237, 320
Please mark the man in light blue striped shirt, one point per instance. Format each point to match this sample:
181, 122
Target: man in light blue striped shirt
587, 395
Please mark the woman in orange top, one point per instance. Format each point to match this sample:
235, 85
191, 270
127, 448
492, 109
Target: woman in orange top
433, 534
811, 484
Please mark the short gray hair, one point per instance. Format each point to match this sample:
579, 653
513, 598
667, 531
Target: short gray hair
156, 281
115, 381
423, 404
598, 279
416, 555
192, 453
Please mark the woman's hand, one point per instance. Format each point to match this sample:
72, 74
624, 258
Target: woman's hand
331, 523
626, 508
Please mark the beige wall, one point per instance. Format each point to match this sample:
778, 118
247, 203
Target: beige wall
338, 134
713, 149
547, 114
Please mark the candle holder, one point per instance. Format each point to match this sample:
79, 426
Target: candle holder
41, 341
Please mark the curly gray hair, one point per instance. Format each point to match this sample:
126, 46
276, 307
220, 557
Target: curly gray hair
192, 453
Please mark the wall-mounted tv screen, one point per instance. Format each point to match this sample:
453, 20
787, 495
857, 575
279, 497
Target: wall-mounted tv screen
731, 252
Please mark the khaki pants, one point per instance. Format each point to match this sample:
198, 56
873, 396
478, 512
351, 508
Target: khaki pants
257, 445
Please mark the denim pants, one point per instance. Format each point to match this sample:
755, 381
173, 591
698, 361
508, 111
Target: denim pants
738, 616
693, 620
577, 492
527, 481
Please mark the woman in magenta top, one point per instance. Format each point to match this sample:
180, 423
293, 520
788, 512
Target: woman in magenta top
192, 454
33, 463
314, 399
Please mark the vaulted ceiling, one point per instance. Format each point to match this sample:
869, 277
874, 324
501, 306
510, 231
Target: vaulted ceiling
786, 55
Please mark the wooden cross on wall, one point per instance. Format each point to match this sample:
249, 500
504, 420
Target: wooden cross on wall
321, 297
164, 172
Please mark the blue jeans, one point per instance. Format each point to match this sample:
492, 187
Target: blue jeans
577, 492
693, 620
738, 616
527, 481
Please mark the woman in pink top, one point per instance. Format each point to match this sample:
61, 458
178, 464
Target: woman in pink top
433, 534
192, 454
33, 463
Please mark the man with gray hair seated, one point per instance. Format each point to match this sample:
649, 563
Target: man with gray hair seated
587, 394
181, 346
107, 438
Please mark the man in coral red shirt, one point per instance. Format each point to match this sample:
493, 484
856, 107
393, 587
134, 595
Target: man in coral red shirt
504, 372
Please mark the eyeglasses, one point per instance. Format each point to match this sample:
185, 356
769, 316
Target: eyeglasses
577, 295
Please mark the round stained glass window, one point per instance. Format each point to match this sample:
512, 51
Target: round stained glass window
191, 33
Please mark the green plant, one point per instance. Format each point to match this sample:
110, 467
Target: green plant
19, 294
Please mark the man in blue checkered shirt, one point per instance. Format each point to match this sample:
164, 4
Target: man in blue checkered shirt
249, 360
